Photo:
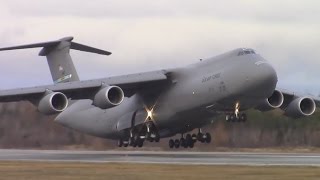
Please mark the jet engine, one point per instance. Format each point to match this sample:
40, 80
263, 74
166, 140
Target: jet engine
274, 101
108, 97
52, 103
300, 107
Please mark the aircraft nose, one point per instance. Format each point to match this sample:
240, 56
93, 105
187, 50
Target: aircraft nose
267, 73
264, 79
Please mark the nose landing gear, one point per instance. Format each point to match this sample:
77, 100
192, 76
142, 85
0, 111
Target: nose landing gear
138, 135
189, 140
242, 117
236, 116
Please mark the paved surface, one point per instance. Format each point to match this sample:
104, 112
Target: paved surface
207, 158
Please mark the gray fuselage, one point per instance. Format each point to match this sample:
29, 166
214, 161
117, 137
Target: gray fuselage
196, 94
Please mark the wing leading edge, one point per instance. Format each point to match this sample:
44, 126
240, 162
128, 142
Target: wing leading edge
290, 95
85, 89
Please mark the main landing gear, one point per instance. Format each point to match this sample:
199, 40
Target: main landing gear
189, 140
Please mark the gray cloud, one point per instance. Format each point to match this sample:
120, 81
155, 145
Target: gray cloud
268, 11
146, 35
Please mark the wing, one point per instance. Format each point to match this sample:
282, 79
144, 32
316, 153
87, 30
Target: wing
86, 89
289, 96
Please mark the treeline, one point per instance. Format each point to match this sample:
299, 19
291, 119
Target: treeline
21, 126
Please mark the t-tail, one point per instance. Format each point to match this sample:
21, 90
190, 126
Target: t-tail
58, 56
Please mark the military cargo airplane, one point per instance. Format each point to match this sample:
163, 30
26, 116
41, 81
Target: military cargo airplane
136, 108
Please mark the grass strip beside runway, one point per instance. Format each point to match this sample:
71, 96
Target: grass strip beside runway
123, 171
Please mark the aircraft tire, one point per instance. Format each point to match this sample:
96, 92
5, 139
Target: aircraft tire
191, 145
140, 143
233, 118
177, 143
183, 142
208, 138
120, 143
134, 144
131, 141
157, 138
188, 139
171, 143
243, 117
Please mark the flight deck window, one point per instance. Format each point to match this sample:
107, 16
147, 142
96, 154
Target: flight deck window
246, 52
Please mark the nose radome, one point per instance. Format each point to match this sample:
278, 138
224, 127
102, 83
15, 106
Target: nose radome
264, 79
267, 74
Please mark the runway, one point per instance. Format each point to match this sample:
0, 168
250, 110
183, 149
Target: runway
186, 158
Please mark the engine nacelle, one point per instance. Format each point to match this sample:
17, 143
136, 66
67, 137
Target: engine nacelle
300, 107
108, 97
273, 102
52, 103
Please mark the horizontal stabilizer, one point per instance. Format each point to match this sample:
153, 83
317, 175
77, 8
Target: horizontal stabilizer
36, 45
52, 44
81, 47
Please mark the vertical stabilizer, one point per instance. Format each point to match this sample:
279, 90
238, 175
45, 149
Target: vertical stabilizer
60, 63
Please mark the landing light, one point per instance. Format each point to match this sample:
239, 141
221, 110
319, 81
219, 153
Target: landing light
149, 114
237, 109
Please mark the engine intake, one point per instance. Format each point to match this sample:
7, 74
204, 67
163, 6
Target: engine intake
273, 102
108, 97
52, 103
300, 107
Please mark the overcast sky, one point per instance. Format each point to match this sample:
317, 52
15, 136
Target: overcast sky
147, 35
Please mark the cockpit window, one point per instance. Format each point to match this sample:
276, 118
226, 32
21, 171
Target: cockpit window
246, 51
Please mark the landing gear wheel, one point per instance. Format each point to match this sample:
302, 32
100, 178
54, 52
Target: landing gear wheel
140, 143
201, 137
131, 141
208, 138
191, 145
243, 118
120, 143
157, 138
188, 140
233, 118
148, 136
176, 143
171, 143
183, 142
137, 141
135, 144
